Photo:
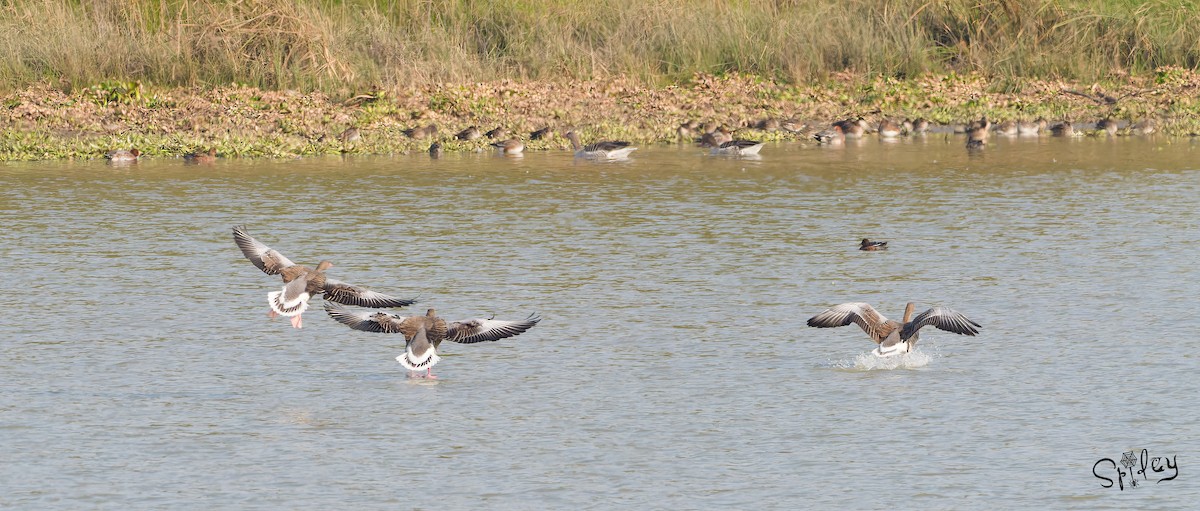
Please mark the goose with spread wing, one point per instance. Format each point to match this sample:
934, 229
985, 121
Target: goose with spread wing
300, 283
423, 334
893, 337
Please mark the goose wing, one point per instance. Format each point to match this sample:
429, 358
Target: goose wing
348, 294
478, 330
740, 144
367, 321
943, 318
265, 258
606, 146
859, 313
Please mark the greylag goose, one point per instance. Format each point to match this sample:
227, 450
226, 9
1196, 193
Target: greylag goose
738, 148
893, 337
871, 246
604, 150
423, 334
300, 283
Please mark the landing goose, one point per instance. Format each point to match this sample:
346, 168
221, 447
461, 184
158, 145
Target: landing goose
893, 337
423, 334
300, 283
604, 150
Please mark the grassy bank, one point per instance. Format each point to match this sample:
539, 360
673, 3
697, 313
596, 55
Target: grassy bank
46, 122
342, 47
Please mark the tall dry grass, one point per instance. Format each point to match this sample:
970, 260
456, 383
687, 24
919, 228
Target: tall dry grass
347, 45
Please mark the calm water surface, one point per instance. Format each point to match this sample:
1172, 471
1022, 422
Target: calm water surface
673, 369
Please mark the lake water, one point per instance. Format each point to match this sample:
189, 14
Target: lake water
673, 368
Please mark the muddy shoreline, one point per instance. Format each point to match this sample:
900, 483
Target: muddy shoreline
47, 123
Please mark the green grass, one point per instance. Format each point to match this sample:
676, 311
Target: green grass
348, 46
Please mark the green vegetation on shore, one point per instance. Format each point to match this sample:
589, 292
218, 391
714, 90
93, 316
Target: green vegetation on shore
346, 46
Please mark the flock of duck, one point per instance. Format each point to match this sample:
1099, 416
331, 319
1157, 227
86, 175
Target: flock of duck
599, 150
720, 139
424, 334
978, 132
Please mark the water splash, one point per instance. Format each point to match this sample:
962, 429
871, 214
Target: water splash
868, 361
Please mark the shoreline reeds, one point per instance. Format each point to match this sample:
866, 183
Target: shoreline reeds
346, 46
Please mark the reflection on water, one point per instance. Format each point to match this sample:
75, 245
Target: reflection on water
672, 367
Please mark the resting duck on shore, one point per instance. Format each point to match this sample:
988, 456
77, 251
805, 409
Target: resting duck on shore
869, 245
419, 133
300, 283
1031, 128
470, 133
920, 126
893, 337
1108, 126
853, 128
1007, 128
603, 150
423, 334
716, 137
738, 148
889, 129
1063, 129
1144, 127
